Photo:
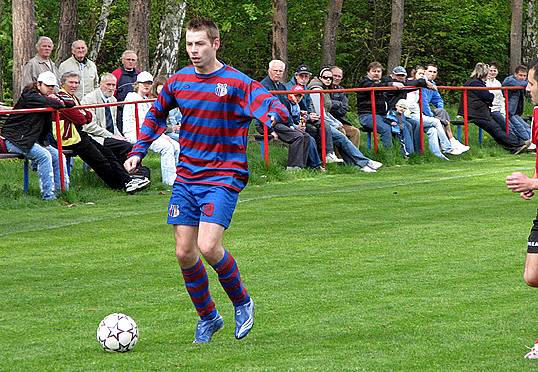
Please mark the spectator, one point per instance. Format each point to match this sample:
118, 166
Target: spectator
400, 125
478, 107
340, 107
26, 133
351, 154
102, 128
298, 141
164, 145
83, 66
516, 102
433, 97
364, 103
101, 159
302, 77
432, 126
41, 62
125, 78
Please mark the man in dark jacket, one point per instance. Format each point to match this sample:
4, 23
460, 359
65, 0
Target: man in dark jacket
126, 77
340, 107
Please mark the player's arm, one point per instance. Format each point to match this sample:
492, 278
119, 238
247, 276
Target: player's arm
523, 184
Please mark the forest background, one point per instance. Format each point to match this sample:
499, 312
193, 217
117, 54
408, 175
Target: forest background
454, 34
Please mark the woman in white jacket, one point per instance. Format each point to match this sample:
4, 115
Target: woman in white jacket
164, 145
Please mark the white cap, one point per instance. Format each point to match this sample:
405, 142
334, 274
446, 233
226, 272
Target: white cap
144, 77
47, 78
402, 103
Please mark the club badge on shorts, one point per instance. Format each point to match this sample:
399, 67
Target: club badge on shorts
173, 211
208, 209
221, 89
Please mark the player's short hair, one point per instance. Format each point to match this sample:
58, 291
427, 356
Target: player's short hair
204, 24
373, 65
533, 65
519, 69
480, 71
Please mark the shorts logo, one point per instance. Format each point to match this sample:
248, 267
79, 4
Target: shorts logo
208, 210
221, 89
173, 211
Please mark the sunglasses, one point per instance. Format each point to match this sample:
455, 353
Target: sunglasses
327, 77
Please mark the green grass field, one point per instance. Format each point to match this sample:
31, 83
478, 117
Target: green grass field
417, 267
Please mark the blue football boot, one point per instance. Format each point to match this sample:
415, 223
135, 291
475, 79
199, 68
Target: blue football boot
244, 319
206, 328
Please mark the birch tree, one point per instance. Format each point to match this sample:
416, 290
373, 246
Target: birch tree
100, 30
334, 11
24, 38
530, 46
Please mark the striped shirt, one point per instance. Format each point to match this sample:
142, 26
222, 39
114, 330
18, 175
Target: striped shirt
217, 110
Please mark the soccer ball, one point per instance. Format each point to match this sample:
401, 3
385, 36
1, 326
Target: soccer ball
117, 333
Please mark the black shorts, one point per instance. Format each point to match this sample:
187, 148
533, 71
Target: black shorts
532, 245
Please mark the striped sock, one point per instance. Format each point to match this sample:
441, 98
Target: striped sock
198, 287
230, 279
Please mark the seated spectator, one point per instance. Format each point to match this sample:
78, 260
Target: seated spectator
432, 126
432, 96
364, 102
478, 108
299, 142
350, 153
400, 125
164, 145
102, 128
516, 102
313, 125
340, 107
26, 134
101, 159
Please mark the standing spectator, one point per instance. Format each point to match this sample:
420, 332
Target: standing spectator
516, 102
103, 127
212, 169
40, 63
164, 145
340, 107
125, 78
27, 133
298, 141
82, 66
432, 96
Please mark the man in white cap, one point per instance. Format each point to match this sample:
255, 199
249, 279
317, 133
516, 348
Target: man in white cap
40, 63
83, 66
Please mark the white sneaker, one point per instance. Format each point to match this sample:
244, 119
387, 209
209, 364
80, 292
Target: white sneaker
367, 169
332, 158
137, 184
375, 165
533, 353
458, 145
532, 147
454, 151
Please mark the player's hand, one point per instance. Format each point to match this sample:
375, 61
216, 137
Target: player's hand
275, 136
131, 163
526, 195
519, 182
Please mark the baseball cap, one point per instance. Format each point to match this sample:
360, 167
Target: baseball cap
399, 70
144, 77
297, 89
303, 69
47, 78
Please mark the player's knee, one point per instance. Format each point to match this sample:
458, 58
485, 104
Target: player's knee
185, 253
209, 249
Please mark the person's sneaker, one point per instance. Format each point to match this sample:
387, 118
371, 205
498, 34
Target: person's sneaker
533, 353
458, 145
137, 184
523, 148
206, 328
332, 158
375, 165
244, 319
454, 151
367, 169
293, 169
531, 148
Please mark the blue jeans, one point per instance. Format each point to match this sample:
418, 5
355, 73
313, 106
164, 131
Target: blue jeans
351, 154
48, 170
313, 157
521, 129
431, 132
382, 128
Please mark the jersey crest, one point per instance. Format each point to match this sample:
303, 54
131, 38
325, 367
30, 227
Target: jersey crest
221, 89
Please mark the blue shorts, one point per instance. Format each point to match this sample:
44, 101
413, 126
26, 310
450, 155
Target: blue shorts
192, 203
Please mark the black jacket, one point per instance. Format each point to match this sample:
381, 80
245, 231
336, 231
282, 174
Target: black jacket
24, 130
478, 101
364, 105
393, 96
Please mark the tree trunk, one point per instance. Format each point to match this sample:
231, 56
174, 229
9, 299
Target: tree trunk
166, 60
515, 34
2, 53
396, 33
280, 30
530, 46
24, 38
100, 30
137, 35
68, 29
334, 11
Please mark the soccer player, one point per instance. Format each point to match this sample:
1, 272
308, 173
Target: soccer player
525, 186
218, 103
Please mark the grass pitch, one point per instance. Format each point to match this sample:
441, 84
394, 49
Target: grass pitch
417, 267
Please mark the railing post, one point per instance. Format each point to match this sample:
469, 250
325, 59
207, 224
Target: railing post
421, 121
136, 121
374, 121
266, 145
507, 116
60, 152
465, 119
322, 129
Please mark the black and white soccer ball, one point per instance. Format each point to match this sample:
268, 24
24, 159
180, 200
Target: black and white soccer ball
117, 333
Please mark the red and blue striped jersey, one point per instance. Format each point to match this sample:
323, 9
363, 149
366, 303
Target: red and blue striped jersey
217, 110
